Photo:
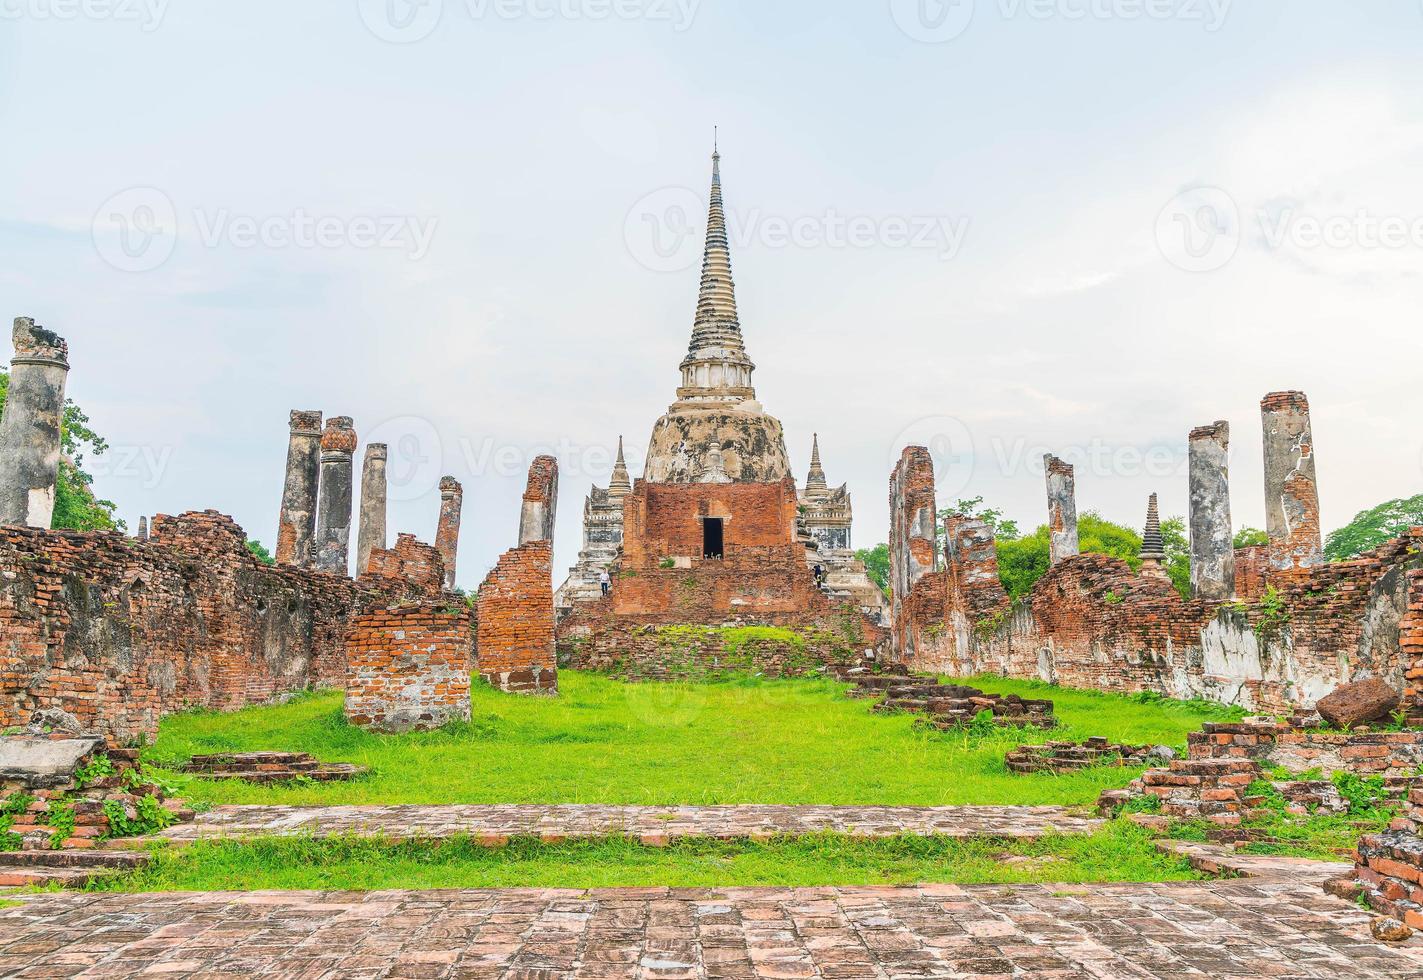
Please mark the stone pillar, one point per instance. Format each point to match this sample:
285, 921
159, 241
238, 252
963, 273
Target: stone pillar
447, 534
30, 427
373, 496
1061, 508
143, 529
913, 538
297, 523
536, 519
1291, 491
1212, 535
333, 519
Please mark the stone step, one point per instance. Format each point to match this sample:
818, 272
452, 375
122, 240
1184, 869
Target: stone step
41, 877
87, 860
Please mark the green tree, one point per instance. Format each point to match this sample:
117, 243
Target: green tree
1251, 537
1371, 528
75, 506
876, 561
263, 555
1178, 554
1022, 561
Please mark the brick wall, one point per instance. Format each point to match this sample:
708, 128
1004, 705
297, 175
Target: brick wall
1091, 622
118, 631
408, 667
664, 520
421, 567
515, 646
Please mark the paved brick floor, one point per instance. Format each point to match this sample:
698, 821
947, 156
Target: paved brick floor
649, 823
1282, 927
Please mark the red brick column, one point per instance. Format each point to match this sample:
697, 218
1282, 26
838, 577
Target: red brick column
515, 648
408, 667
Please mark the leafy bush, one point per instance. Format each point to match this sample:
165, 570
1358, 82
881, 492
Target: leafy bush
150, 817
1364, 795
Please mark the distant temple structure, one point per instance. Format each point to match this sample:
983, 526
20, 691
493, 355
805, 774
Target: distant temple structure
717, 513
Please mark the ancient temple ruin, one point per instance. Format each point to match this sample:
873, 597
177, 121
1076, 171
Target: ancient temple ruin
716, 532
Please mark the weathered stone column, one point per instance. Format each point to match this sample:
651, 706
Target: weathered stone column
297, 523
536, 518
143, 529
447, 534
333, 519
1061, 508
913, 539
1291, 491
1212, 535
30, 428
373, 496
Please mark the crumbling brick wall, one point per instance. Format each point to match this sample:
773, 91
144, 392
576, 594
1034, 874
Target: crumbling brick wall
420, 566
515, 645
118, 632
408, 667
1091, 622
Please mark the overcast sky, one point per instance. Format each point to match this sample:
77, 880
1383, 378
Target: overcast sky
1001, 227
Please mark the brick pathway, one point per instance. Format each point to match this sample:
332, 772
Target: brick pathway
1226, 930
652, 824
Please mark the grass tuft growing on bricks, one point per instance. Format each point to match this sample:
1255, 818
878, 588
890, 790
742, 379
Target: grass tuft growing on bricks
737, 740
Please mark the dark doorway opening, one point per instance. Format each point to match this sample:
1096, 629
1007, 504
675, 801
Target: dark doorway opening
712, 538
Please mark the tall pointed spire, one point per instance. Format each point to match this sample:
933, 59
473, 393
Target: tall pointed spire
1153, 545
716, 369
620, 485
815, 484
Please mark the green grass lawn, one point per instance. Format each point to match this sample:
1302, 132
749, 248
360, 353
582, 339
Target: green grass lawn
741, 740
1120, 852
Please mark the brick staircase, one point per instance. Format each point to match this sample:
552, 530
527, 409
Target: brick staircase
269, 767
